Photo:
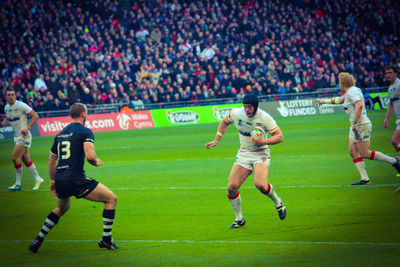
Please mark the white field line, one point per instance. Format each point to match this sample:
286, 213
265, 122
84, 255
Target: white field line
228, 242
224, 188
203, 159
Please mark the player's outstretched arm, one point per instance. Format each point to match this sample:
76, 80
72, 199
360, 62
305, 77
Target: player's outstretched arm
398, 190
4, 123
220, 132
90, 154
333, 100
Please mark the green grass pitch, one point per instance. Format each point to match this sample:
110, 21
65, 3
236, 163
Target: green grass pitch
173, 210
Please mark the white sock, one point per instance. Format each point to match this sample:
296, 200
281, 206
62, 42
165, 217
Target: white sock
376, 155
272, 195
18, 174
32, 169
236, 203
360, 165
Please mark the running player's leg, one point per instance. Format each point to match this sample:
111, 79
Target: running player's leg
237, 176
63, 205
26, 158
359, 163
18, 151
396, 139
102, 194
364, 148
261, 182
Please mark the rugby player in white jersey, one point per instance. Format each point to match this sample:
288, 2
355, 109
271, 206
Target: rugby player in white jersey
253, 155
360, 127
16, 115
394, 105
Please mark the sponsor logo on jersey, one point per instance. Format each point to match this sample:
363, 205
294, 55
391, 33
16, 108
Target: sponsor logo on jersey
245, 133
13, 119
182, 117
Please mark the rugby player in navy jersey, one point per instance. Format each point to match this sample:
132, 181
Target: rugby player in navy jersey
70, 147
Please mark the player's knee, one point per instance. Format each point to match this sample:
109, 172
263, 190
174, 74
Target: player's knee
113, 199
15, 160
260, 185
232, 189
365, 154
394, 142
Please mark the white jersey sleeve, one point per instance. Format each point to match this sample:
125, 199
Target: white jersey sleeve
17, 116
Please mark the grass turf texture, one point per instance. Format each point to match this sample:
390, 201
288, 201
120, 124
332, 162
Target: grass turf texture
172, 207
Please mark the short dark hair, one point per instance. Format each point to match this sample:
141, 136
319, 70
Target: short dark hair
76, 110
10, 89
392, 67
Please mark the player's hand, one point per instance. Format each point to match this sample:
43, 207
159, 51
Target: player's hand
320, 102
24, 131
398, 190
99, 162
211, 144
385, 123
258, 141
53, 189
354, 128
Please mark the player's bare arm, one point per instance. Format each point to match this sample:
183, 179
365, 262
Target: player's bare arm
389, 113
4, 123
220, 132
52, 165
358, 106
398, 190
90, 154
276, 138
34, 117
333, 100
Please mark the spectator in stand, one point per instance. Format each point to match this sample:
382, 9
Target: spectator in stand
39, 82
87, 98
309, 49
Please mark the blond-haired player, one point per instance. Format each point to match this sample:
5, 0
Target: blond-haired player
360, 127
16, 115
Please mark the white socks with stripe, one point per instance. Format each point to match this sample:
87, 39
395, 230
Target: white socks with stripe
236, 203
360, 165
379, 156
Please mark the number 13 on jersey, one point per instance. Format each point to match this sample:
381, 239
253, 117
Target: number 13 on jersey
64, 149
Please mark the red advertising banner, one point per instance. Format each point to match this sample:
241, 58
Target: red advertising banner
100, 122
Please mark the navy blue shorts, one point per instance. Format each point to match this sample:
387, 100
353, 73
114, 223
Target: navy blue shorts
76, 188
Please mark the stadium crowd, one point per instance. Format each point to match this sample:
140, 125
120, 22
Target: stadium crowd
55, 53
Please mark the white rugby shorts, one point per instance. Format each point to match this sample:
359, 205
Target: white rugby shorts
248, 159
23, 140
398, 124
363, 132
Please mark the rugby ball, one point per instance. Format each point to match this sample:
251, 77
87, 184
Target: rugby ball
258, 132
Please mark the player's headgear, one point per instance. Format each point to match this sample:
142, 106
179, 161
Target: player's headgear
251, 100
